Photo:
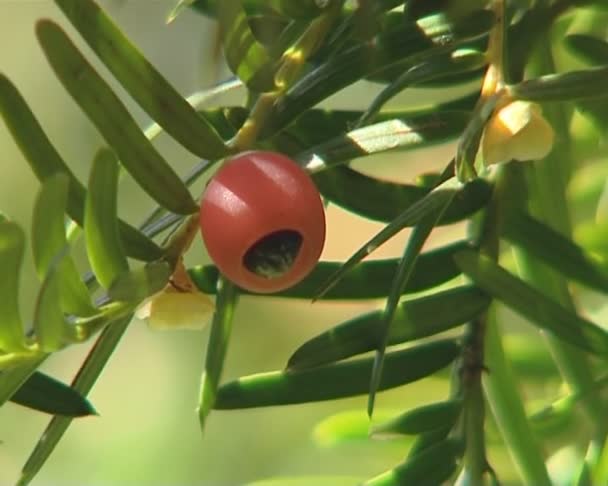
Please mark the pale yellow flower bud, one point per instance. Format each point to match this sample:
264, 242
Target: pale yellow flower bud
173, 309
517, 131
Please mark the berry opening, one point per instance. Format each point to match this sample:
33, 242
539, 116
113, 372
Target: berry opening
273, 255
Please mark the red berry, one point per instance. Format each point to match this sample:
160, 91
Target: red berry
263, 221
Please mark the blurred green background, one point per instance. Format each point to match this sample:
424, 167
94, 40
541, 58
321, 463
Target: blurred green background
147, 431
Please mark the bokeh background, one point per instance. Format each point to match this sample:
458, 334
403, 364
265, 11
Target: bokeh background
147, 431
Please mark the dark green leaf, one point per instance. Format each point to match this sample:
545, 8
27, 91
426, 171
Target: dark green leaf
217, 347
431, 466
462, 60
105, 252
428, 205
12, 242
570, 86
414, 319
403, 45
246, 57
84, 381
370, 280
299, 9
468, 145
395, 134
364, 195
114, 122
46, 161
555, 250
275, 33
423, 419
143, 82
336, 380
588, 48
49, 240
317, 126
136, 285
427, 440
11, 379
532, 304
418, 237
383, 201
46, 394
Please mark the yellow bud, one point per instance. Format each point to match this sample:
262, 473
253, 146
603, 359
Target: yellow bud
175, 309
517, 131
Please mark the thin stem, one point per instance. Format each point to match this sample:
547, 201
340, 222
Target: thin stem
474, 409
508, 410
290, 66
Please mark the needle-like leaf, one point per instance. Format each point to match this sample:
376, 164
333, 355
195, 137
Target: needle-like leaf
143, 82
217, 347
114, 122
533, 304
46, 161
369, 280
46, 394
104, 249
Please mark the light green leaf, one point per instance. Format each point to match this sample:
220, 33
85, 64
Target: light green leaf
595, 51
555, 250
180, 7
49, 240
348, 426
143, 82
336, 380
104, 249
45, 161
12, 242
84, 381
114, 122
308, 481
439, 415
217, 347
532, 304
246, 57
49, 322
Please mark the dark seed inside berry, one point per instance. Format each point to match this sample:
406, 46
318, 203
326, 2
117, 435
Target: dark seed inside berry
274, 254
